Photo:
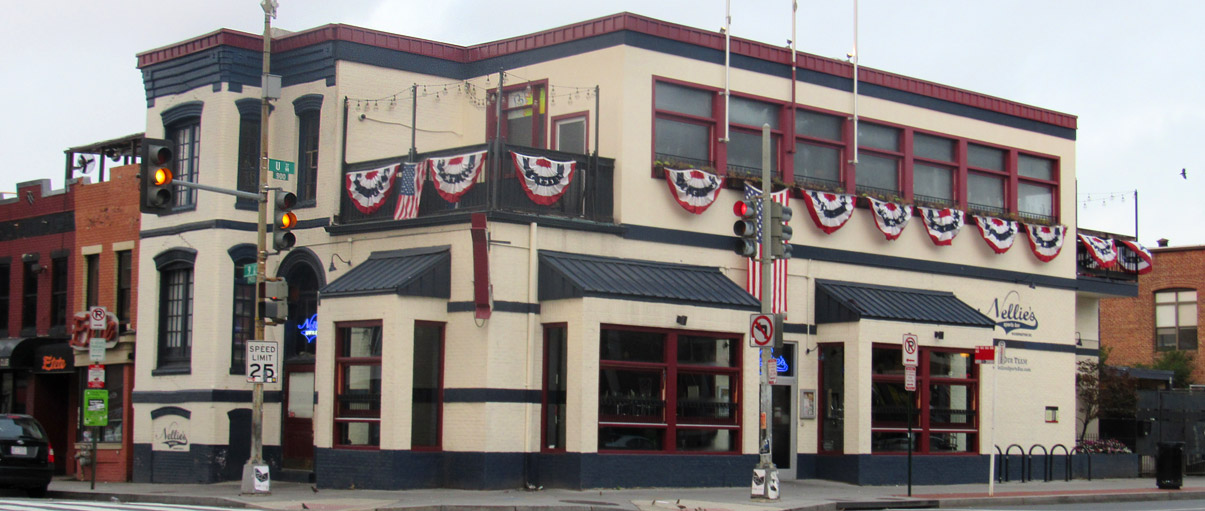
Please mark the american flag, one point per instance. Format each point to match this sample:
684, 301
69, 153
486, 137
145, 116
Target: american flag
409, 193
778, 278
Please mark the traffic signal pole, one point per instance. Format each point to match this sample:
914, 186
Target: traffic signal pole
249, 481
765, 465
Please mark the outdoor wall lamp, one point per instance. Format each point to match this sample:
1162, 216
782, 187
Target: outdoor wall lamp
939, 335
682, 320
333, 257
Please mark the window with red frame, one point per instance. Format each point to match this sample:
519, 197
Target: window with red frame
944, 406
684, 125
524, 115
934, 170
668, 391
426, 415
746, 118
818, 150
1035, 187
879, 161
987, 180
358, 384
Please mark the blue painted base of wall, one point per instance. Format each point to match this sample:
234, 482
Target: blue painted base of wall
877, 470
201, 464
341, 468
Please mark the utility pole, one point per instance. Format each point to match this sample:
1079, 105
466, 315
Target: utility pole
250, 482
765, 464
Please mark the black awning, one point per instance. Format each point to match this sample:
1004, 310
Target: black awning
408, 272
566, 275
19, 352
840, 302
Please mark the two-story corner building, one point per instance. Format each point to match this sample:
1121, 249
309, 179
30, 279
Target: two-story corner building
37, 373
515, 265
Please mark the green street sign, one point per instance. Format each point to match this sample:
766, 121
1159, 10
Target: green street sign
249, 273
281, 169
96, 407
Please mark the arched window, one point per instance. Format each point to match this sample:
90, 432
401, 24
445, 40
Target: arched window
242, 319
182, 123
175, 308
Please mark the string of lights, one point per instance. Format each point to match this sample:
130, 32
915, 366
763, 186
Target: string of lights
1086, 199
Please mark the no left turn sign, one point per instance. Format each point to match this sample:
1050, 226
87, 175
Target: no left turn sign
761, 330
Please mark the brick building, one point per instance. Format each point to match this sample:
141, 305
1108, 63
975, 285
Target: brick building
107, 222
37, 271
1164, 316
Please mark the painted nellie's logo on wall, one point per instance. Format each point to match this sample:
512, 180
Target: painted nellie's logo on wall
1011, 315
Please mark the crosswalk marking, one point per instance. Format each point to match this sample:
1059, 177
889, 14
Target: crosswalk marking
76, 505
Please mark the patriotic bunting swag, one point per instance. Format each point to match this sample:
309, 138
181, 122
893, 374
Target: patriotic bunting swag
1101, 250
943, 224
409, 191
695, 190
454, 175
1134, 258
543, 180
830, 211
999, 233
891, 218
778, 268
368, 189
1046, 241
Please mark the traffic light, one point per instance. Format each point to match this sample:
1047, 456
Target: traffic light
282, 235
275, 307
780, 231
745, 227
156, 193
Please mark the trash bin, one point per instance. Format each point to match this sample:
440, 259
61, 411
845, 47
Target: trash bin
1169, 465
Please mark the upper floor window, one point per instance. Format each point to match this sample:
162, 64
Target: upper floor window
879, 157
125, 288
1035, 187
569, 133
182, 124
175, 307
1176, 319
818, 149
309, 114
987, 176
243, 318
684, 125
746, 118
248, 149
58, 292
92, 286
934, 167
29, 297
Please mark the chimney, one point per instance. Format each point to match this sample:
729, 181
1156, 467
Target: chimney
1162, 242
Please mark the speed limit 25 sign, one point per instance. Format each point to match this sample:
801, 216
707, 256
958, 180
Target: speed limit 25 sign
262, 360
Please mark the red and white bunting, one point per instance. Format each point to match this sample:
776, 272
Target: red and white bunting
943, 224
1134, 258
1103, 251
694, 189
543, 180
891, 218
998, 232
368, 189
454, 175
829, 210
1046, 241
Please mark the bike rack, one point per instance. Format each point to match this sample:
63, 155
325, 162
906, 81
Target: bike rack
1066, 462
999, 464
1029, 463
1008, 452
1088, 455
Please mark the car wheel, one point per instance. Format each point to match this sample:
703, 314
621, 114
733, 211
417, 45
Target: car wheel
38, 492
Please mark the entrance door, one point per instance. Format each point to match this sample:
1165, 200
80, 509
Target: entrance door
298, 434
784, 420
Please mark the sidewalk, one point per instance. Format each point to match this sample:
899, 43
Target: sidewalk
810, 495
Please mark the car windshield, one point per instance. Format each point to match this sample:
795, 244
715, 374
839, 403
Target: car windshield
12, 428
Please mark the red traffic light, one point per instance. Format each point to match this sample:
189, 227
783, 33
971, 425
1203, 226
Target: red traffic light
744, 208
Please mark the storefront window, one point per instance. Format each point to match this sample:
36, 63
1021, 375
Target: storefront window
358, 391
668, 391
942, 410
427, 403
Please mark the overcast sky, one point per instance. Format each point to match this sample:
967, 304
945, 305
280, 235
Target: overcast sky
1133, 72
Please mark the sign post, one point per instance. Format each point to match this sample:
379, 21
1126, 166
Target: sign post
96, 414
911, 357
987, 355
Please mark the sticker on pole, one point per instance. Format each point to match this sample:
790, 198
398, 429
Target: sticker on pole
761, 330
985, 354
911, 348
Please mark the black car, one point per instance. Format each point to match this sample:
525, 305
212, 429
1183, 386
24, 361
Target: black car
26, 457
